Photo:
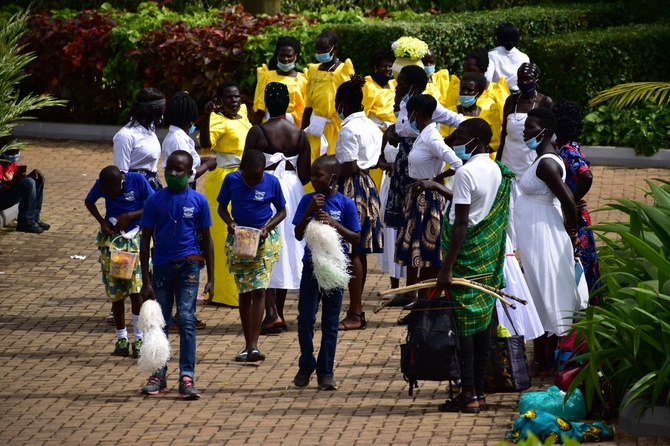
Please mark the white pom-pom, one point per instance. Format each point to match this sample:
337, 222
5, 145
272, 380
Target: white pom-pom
155, 351
330, 263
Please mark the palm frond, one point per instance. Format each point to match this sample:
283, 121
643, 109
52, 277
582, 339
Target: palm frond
634, 92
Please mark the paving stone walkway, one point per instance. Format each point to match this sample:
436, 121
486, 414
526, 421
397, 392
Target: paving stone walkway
61, 386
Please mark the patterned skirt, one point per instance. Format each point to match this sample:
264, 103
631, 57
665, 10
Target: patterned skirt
119, 289
418, 242
254, 274
361, 188
400, 182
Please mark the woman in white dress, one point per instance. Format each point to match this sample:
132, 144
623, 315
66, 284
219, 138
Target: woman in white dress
513, 151
546, 221
287, 156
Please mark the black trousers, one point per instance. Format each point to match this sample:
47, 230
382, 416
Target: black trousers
475, 350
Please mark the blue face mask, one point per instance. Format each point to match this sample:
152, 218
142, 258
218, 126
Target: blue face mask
396, 113
12, 158
191, 129
405, 98
527, 88
533, 142
429, 69
467, 101
285, 67
461, 151
325, 57
341, 115
413, 124
380, 78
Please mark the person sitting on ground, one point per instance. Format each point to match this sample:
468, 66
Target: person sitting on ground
329, 206
505, 59
252, 194
125, 194
17, 186
174, 216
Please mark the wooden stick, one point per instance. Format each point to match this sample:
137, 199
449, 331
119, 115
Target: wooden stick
501, 292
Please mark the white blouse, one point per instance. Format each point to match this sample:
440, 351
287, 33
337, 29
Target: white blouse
177, 139
135, 147
359, 140
429, 153
441, 115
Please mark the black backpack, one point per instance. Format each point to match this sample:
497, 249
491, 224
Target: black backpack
431, 352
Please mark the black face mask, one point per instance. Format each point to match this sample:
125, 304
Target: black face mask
328, 187
380, 78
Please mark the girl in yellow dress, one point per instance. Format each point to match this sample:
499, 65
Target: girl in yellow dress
287, 52
438, 81
320, 120
224, 129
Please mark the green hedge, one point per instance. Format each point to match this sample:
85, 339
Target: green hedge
578, 65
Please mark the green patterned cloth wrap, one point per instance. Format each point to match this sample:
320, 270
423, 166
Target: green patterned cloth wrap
483, 251
254, 274
118, 289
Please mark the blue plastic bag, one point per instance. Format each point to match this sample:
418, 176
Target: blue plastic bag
552, 401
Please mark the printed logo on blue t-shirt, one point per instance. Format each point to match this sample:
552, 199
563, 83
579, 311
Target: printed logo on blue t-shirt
259, 195
337, 215
188, 212
130, 196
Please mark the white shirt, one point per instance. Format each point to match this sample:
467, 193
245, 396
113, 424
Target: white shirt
429, 153
476, 184
441, 115
359, 140
135, 147
503, 63
177, 139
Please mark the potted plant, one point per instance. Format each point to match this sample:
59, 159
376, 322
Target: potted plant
628, 336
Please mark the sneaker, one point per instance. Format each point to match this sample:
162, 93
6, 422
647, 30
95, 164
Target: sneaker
137, 345
43, 225
32, 228
154, 386
302, 377
122, 347
174, 327
187, 389
326, 383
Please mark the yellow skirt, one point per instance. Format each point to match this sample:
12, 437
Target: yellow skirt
225, 288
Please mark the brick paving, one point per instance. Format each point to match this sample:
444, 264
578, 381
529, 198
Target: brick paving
61, 386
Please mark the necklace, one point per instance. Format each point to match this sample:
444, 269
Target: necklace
277, 117
478, 111
531, 107
318, 79
181, 208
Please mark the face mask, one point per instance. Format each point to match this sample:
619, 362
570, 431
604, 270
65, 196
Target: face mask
414, 125
461, 151
533, 142
341, 115
325, 57
429, 69
527, 88
396, 113
328, 187
285, 66
380, 78
467, 101
12, 158
191, 129
176, 183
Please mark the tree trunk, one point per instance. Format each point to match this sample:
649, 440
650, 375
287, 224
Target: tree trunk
255, 7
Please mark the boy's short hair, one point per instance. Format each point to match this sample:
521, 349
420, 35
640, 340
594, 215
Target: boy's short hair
423, 103
183, 153
546, 117
329, 163
109, 174
253, 158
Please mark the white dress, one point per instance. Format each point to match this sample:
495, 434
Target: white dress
385, 260
518, 157
546, 251
287, 271
525, 318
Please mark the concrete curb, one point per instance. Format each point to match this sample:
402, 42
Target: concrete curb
598, 155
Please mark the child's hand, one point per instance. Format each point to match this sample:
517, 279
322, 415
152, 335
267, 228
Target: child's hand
317, 202
264, 232
325, 217
421, 186
147, 292
106, 228
37, 175
123, 222
231, 228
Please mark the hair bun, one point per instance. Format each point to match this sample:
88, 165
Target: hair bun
357, 80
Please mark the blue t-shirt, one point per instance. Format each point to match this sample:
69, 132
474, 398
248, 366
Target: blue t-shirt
176, 217
340, 207
251, 205
136, 190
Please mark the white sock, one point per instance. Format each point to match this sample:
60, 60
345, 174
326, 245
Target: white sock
122, 334
139, 334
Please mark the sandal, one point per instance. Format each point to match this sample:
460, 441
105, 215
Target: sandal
110, 318
459, 404
275, 329
362, 325
481, 399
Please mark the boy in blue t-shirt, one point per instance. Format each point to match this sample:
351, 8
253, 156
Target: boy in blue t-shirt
125, 195
252, 192
173, 216
325, 205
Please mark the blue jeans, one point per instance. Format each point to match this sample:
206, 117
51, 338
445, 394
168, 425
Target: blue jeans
308, 305
178, 281
28, 193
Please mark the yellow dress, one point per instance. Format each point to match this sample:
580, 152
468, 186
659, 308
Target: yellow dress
296, 90
227, 137
492, 115
378, 105
496, 92
438, 87
321, 90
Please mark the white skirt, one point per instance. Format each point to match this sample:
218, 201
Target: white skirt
525, 317
385, 260
287, 271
